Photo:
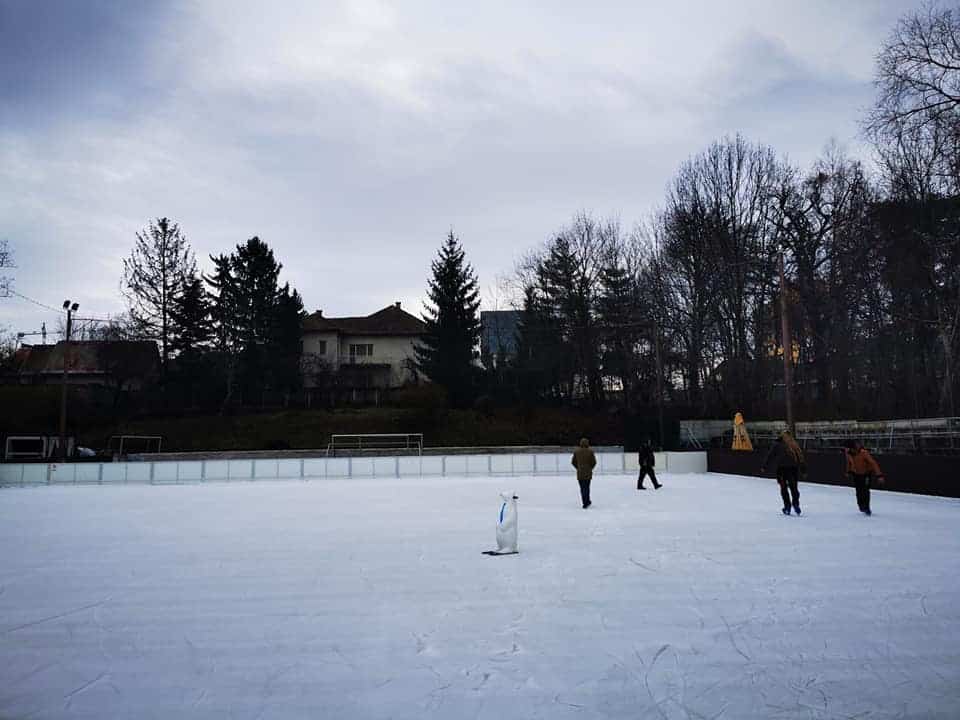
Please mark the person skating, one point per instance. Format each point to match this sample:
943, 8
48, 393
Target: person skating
584, 461
862, 469
787, 459
647, 461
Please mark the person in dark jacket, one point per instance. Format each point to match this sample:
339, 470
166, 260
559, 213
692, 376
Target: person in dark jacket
787, 459
862, 469
647, 461
584, 461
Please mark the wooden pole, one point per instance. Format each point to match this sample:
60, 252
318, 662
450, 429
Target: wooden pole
63, 390
787, 343
659, 361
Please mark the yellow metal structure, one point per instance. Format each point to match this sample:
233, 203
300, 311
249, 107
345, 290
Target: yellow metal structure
741, 439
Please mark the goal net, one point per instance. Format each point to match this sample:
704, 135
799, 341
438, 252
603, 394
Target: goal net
134, 444
400, 443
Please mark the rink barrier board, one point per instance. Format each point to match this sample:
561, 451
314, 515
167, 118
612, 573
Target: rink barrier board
920, 474
175, 472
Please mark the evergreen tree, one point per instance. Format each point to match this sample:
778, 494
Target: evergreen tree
617, 314
540, 355
448, 349
255, 272
223, 313
192, 329
285, 344
257, 324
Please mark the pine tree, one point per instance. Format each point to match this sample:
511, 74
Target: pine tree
447, 351
540, 352
285, 343
223, 313
257, 324
192, 329
617, 313
153, 278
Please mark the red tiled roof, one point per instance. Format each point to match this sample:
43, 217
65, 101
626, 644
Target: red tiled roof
392, 320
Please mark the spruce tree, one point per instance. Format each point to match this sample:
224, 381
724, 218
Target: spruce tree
617, 311
287, 330
192, 329
447, 351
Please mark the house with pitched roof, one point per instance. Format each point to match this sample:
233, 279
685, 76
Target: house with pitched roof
360, 359
120, 364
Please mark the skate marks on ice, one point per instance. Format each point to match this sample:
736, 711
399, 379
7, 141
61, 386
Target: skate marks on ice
631, 610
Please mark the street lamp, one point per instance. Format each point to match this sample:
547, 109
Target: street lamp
70, 309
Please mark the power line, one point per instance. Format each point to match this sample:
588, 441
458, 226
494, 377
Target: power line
56, 310
35, 302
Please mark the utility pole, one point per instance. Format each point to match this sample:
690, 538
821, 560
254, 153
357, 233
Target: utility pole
70, 308
659, 361
787, 344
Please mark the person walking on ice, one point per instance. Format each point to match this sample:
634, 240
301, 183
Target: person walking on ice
584, 461
647, 461
787, 459
862, 469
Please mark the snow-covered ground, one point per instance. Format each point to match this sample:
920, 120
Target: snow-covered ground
371, 599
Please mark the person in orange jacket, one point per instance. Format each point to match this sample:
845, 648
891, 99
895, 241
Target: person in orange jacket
862, 469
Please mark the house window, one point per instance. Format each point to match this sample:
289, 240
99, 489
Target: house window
364, 350
321, 347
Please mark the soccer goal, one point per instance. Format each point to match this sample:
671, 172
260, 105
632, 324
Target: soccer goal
134, 444
401, 442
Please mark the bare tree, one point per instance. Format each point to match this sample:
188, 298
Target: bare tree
918, 71
153, 279
915, 119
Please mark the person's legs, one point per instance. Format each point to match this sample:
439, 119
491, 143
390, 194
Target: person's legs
782, 481
653, 479
863, 492
585, 492
866, 494
640, 478
794, 489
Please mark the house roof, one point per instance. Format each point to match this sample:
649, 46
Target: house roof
134, 357
392, 320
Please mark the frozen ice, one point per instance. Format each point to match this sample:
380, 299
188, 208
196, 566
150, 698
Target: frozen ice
371, 599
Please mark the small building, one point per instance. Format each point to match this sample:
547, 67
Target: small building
359, 359
498, 336
117, 364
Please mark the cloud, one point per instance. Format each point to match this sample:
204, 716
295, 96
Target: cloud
352, 135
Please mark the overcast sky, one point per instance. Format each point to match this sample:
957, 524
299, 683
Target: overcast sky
351, 136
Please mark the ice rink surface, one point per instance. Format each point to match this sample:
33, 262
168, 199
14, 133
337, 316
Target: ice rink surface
371, 599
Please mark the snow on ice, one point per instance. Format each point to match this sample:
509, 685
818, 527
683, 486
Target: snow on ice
371, 599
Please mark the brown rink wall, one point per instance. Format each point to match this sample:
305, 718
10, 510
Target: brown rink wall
922, 474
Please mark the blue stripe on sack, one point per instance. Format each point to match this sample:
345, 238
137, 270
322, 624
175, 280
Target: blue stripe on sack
502, 508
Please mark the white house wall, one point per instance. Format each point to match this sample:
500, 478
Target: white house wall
392, 350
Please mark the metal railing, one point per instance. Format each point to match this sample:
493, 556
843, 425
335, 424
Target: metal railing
410, 442
169, 472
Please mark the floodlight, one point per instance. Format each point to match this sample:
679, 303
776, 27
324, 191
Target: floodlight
66, 304
75, 307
